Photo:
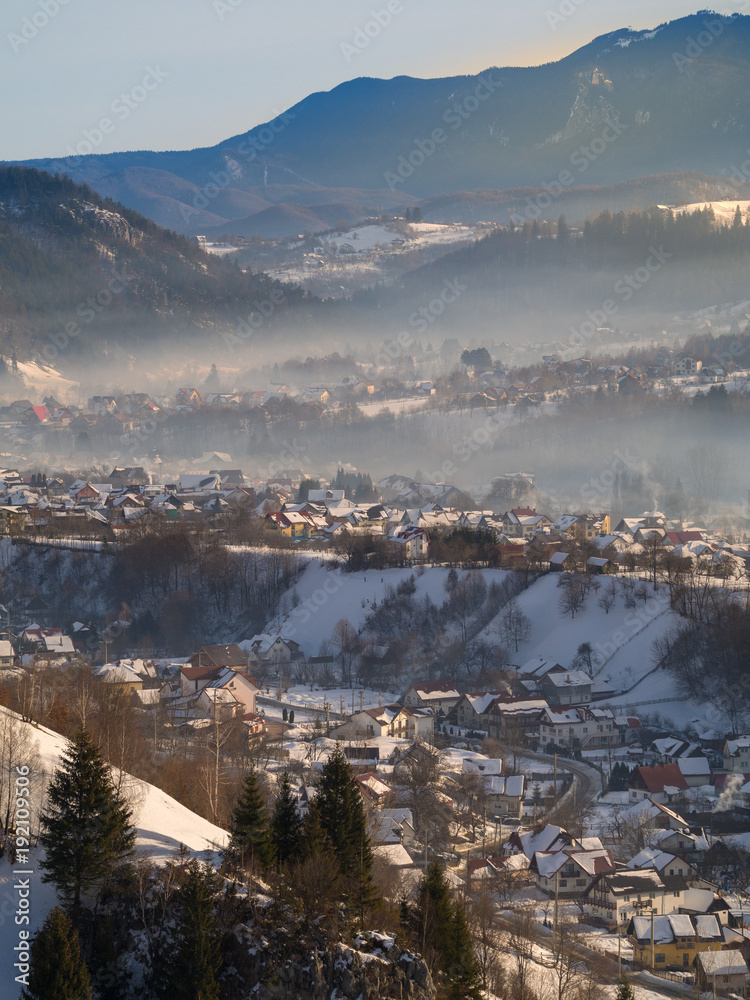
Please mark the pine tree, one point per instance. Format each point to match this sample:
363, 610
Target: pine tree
444, 934
313, 837
624, 990
196, 957
251, 835
87, 831
462, 969
57, 968
286, 825
342, 817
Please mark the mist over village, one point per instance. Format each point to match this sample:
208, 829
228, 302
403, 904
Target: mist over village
374, 501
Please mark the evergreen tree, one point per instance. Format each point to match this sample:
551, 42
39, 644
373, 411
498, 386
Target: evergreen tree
196, 957
57, 968
286, 825
251, 834
344, 824
624, 990
313, 837
445, 936
87, 831
462, 969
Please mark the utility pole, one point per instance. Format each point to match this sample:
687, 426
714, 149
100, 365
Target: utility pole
361, 700
557, 892
341, 700
653, 960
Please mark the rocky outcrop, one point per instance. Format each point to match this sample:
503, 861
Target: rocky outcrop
373, 967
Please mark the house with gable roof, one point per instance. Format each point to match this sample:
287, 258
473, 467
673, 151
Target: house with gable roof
678, 938
571, 871
440, 696
662, 783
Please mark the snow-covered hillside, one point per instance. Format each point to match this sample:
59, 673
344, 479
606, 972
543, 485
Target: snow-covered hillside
162, 824
621, 640
325, 596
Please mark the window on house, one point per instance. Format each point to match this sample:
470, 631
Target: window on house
563, 883
660, 957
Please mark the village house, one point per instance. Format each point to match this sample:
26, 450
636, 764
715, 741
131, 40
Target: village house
7, 655
439, 696
616, 897
663, 783
243, 689
725, 971
514, 719
563, 687
389, 720
579, 727
736, 754
229, 655
678, 938
569, 872
504, 795
392, 826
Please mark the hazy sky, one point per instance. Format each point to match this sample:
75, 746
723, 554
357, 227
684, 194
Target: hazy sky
174, 74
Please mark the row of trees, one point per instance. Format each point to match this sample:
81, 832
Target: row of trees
319, 870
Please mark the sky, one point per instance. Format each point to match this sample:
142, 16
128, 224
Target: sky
176, 74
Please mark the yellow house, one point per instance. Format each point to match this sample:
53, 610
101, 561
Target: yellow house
120, 677
291, 525
678, 938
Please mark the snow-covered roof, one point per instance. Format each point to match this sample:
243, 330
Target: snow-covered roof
568, 678
722, 963
694, 766
394, 854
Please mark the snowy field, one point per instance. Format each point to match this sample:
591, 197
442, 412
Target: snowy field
422, 234
723, 210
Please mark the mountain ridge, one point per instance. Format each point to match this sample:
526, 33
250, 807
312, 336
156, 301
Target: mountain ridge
681, 93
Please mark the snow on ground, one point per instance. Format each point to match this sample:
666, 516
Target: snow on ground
621, 640
423, 233
326, 596
723, 210
162, 824
46, 381
300, 694
219, 249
